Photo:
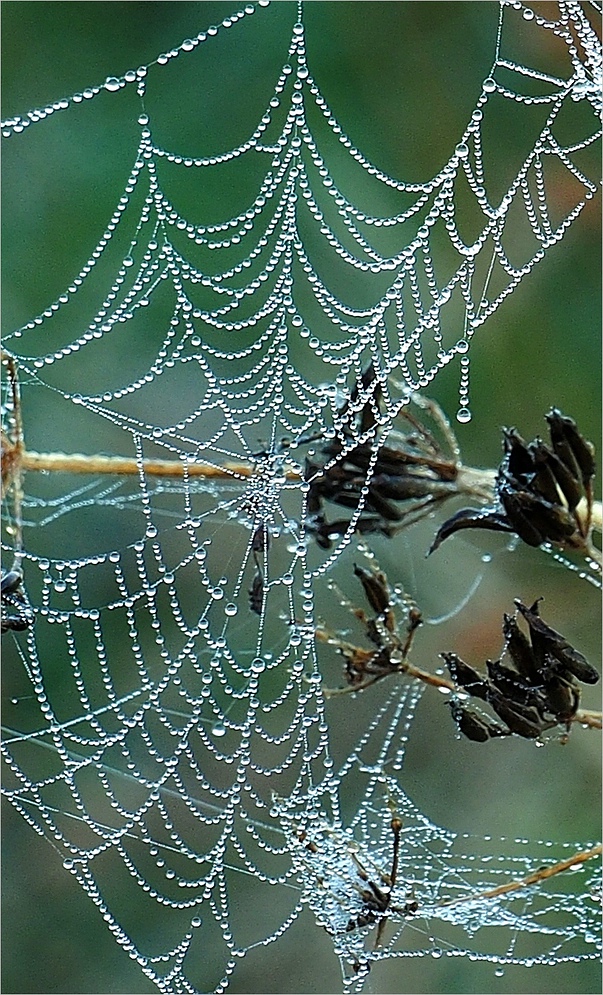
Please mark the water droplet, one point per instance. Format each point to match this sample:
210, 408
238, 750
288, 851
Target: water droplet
112, 83
463, 415
196, 922
218, 731
489, 85
230, 609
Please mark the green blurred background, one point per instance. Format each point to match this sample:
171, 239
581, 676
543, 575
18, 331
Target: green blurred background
402, 78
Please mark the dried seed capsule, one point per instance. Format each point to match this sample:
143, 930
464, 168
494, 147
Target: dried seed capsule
520, 649
515, 503
378, 503
553, 476
519, 458
256, 594
522, 721
17, 613
546, 641
410, 485
475, 727
261, 539
515, 688
562, 695
533, 518
470, 518
375, 587
465, 676
571, 446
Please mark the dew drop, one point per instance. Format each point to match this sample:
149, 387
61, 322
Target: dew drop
230, 609
218, 731
463, 415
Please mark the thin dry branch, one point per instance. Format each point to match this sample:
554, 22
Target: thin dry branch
535, 878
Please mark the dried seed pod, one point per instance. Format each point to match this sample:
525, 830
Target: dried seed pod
533, 518
518, 456
552, 643
470, 518
256, 594
473, 726
570, 445
520, 650
521, 720
552, 476
375, 587
562, 695
465, 676
17, 613
514, 688
366, 666
261, 539
386, 509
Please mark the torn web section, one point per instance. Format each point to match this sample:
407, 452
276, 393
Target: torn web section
390, 885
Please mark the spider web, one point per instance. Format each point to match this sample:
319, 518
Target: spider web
172, 744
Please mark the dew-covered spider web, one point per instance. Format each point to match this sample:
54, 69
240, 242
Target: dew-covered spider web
250, 315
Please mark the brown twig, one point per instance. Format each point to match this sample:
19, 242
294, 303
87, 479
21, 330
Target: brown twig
535, 878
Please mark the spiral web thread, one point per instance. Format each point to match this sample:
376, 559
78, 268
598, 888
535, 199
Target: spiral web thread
189, 756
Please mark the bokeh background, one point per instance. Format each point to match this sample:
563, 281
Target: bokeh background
402, 78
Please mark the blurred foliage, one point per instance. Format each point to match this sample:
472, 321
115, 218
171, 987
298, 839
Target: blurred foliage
402, 78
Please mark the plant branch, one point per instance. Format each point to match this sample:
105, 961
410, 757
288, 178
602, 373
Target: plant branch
586, 717
535, 878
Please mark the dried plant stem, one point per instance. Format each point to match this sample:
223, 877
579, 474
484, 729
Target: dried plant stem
470, 480
122, 466
535, 878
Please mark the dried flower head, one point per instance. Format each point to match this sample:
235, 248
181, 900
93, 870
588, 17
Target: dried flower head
543, 492
540, 690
